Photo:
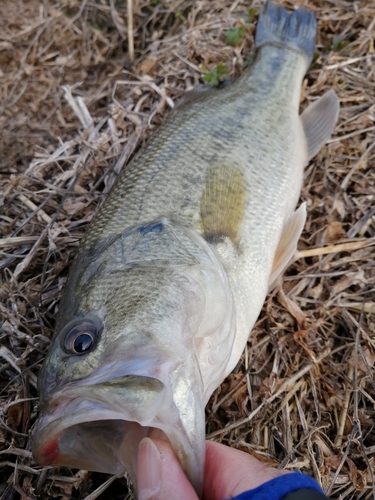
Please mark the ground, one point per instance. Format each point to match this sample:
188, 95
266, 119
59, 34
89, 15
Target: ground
76, 103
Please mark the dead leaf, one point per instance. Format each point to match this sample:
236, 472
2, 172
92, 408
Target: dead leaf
333, 232
316, 292
366, 360
270, 385
353, 471
292, 307
347, 281
333, 461
300, 334
73, 206
14, 415
148, 65
339, 206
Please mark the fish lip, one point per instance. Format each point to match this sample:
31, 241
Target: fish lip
49, 434
78, 413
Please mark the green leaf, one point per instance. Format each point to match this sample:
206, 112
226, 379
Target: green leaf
222, 72
217, 75
338, 44
314, 63
249, 15
234, 36
211, 78
179, 15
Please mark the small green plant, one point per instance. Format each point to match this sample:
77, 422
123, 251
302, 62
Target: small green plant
314, 63
154, 2
249, 15
338, 44
234, 36
217, 75
179, 15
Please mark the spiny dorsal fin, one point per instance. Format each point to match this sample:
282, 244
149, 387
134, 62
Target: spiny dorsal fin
223, 202
200, 93
319, 120
288, 243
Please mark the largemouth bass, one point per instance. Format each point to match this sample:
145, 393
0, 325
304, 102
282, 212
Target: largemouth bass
173, 271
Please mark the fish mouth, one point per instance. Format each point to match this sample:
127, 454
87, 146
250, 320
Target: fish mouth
103, 445
99, 427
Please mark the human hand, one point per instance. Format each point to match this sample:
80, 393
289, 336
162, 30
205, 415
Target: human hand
228, 472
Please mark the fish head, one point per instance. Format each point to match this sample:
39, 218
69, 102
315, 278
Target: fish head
124, 362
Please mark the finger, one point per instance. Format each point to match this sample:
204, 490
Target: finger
229, 472
160, 476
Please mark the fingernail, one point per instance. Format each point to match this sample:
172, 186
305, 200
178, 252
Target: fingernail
149, 477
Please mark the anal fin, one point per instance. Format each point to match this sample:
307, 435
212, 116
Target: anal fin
319, 120
287, 244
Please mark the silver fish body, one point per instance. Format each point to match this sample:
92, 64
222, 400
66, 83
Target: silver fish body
174, 269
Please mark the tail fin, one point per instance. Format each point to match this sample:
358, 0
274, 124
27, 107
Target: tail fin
297, 30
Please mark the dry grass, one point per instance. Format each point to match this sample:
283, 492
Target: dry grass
74, 109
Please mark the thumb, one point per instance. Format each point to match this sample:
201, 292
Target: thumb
230, 472
160, 476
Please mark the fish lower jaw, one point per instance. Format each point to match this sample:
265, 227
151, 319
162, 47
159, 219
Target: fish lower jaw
88, 434
108, 446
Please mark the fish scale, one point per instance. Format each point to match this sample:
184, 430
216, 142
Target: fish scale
174, 269
226, 125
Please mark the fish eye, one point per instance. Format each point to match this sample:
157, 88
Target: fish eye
80, 337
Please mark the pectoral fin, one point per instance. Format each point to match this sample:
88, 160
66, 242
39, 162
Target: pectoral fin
288, 243
319, 120
223, 202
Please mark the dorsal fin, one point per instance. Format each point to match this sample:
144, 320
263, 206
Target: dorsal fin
200, 93
223, 202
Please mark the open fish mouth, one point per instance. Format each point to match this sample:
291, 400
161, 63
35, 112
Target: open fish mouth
99, 428
104, 445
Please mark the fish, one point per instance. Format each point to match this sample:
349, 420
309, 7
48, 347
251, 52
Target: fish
175, 267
